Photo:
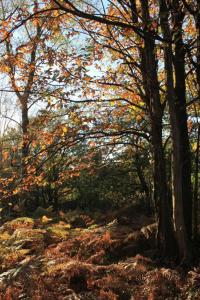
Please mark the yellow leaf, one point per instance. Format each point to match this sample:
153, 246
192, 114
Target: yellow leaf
65, 129
45, 220
5, 155
4, 68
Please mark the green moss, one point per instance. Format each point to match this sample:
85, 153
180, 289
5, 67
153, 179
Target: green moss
11, 226
59, 231
24, 233
23, 220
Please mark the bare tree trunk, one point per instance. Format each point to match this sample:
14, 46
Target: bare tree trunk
25, 140
180, 228
165, 230
196, 175
181, 114
196, 186
143, 182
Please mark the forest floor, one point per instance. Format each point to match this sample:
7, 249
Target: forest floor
78, 255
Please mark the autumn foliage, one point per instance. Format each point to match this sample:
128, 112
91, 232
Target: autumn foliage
99, 111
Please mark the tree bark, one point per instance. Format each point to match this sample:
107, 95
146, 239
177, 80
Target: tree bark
25, 141
181, 114
196, 186
196, 174
143, 182
165, 230
181, 232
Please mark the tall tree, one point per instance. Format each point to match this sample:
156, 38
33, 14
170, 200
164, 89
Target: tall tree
180, 226
131, 29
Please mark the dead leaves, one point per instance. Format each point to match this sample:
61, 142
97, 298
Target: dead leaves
80, 266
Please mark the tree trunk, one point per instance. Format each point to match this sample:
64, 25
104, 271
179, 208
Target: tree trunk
25, 141
165, 230
196, 186
181, 115
196, 175
143, 182
180, 228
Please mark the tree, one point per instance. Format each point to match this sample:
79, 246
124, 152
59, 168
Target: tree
145, 44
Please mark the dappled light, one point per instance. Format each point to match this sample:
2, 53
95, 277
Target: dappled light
99, 149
